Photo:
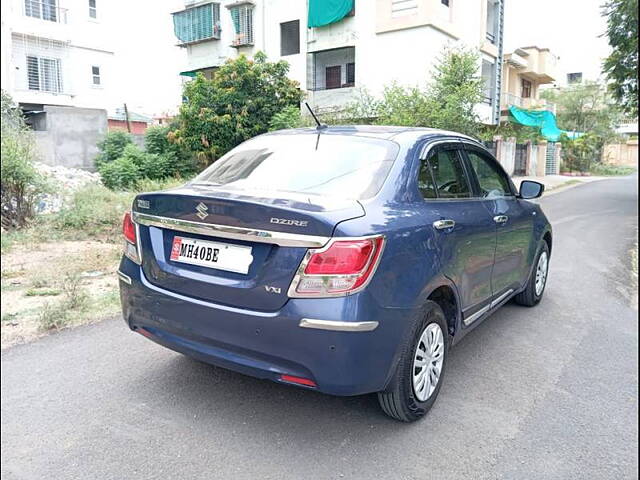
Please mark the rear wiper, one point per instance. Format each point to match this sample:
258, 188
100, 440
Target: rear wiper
209, 184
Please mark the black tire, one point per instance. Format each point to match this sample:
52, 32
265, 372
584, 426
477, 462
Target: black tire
528, 297
399, 400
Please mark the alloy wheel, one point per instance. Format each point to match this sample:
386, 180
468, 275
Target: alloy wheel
427, 362
541, 272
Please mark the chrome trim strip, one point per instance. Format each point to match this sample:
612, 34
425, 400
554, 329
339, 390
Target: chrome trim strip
498, 300
125, 278
494, 303
236, 233
477, 315
337, 325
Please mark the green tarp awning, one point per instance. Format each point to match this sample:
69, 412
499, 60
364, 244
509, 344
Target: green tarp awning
542, 119
324, 12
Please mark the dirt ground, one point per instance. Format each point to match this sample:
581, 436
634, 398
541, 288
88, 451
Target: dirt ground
73, 280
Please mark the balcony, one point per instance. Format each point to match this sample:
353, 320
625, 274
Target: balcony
541, 64
509, 100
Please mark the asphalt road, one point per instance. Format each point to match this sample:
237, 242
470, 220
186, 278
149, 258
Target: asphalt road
544, 393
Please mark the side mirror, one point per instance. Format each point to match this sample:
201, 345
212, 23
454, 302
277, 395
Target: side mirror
530, 189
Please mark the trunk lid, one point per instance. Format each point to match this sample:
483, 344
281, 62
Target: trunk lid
278, 227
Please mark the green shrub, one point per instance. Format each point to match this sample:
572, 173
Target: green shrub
112, 146
120, 174
606, 170
94, 209
176, 161
288, 117
20, 182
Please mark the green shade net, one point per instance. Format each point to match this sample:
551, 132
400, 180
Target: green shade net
542, 119
194, 24
324, 12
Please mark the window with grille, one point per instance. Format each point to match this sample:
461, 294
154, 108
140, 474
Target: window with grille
351, 74
43, 9
242, 17
290, 38
197, 23
492, 20
489, 78
93, 11
526, 88
95, 73
44, 74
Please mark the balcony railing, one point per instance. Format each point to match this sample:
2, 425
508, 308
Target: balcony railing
508, 99
47, 10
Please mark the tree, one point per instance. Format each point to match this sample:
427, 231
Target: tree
588, 109
238, 103
20, 182
448, 101
622, 65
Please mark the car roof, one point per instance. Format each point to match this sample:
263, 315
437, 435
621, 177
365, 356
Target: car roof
387, 132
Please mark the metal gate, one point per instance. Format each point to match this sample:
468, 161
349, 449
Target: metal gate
551, 167
520, 167
491, 146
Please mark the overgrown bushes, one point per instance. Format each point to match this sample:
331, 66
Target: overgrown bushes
122, 164
21, 184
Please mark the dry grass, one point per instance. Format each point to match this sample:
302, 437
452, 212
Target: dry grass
48, 286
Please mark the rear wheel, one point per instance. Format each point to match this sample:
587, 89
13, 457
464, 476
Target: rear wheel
532, 294
418, 377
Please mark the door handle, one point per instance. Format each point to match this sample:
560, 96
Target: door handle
500, 219
444, 224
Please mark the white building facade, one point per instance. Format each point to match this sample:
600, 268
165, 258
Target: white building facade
57, 52
377, 43
57, 64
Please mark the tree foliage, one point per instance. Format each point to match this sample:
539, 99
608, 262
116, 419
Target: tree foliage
622, 65
20, 182
238, 103
447, 101
586, 108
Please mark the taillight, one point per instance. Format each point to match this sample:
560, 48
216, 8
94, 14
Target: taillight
128, 228
341, 268
129, 232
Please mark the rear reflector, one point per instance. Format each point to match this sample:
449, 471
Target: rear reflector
298, 380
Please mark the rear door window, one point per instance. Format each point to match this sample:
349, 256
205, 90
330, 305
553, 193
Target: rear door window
329, 165
443, 175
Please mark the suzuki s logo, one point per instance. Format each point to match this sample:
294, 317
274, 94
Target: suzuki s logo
287, 221
270, 289
202, 211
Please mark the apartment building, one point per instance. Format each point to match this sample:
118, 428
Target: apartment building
57, 65
525, 72
338, 47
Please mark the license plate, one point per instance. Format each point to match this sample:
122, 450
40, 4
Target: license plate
222, 256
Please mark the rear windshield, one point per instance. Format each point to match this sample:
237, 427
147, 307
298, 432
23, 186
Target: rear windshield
325, 164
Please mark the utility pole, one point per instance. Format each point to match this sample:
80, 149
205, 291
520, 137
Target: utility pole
126, 117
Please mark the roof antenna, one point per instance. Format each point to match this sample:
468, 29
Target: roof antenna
320, 126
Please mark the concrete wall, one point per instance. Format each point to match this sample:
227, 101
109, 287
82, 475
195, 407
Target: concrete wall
506, 153
71, 136
624, 154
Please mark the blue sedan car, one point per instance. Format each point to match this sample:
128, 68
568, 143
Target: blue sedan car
346, 260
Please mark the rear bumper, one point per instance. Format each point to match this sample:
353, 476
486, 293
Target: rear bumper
347, 345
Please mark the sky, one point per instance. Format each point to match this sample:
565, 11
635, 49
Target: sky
569, 28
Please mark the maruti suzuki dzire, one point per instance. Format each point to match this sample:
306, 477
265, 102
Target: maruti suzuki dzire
346, 260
